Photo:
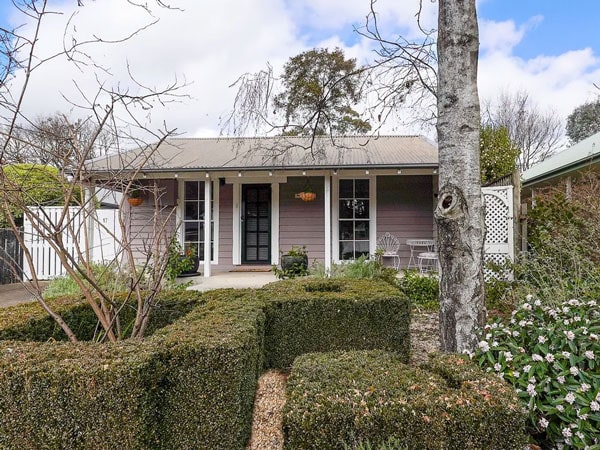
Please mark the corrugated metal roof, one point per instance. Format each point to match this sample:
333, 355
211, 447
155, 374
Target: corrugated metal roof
277, 152
584, 152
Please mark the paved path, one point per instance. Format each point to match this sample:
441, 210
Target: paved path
13, 294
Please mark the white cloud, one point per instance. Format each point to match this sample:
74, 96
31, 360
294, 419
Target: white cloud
211, 44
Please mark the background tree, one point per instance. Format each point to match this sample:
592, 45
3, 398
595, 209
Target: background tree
459, 210
315, 95
583, 121
537, 133
498, 155
56, 140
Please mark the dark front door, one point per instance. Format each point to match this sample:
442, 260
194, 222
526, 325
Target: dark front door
256, 224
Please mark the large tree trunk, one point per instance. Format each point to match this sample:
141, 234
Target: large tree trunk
459, 211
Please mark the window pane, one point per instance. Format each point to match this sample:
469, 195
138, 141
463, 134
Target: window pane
361, 209
191, 232
362, 188
191, 190
361, 230
191, 211
361, 248
346, 188
346, 230
346, 250
346, 209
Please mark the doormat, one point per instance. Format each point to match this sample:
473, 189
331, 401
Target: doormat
251, 269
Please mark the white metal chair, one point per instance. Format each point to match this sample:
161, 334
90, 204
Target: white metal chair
389, 245
428, 262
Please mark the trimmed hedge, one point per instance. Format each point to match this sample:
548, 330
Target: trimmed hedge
316, 315
190, 385
342, 399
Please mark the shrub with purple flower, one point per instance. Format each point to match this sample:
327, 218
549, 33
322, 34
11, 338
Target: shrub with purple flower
551, 357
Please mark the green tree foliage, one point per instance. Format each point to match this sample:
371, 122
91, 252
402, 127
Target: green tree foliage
320, 89
584, 121
28, 184
498, 154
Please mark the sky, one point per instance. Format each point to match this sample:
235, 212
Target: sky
547, 48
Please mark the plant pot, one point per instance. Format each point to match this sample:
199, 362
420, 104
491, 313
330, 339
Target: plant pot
194, 269
307, 196
294, 263
135, 201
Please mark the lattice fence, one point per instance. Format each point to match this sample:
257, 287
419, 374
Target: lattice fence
499, 240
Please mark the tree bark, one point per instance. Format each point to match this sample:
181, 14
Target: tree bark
459, 211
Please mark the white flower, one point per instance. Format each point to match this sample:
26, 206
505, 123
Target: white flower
543, 423
574, 302
560, 408
591, 303
536, 357
590, 354
526, 368
574, 370
570, 398
488, 336
484, 346
532, 380
576, 319
537, 303
494, 326
550, 357
516, 333
565, 310
508, 356
542, 339
528, 297
527, 307
531, 390
522, 323
594, 406
598, 397
566, 322
561, 379
495, 344
570, 335
585, 387
516, 374
497, 367
566, 354
593, 336
584, 331
566, 432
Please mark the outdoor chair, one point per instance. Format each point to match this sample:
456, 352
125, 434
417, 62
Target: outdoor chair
389, 245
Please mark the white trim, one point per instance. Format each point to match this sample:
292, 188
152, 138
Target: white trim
236, 251
335, 216
328, 229
372, 215
216, 192
207, 226
275, 223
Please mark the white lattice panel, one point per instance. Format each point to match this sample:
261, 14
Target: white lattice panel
499, 239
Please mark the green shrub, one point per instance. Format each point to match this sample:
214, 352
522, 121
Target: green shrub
422, 291
312, 315
191, 383
344, 399
550, 356
362, 267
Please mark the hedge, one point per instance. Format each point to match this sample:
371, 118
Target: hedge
343, 399
316, 315
189, 385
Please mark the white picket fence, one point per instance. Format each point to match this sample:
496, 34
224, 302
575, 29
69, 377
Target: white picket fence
103, 246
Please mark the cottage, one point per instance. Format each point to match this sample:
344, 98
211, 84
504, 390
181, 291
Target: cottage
241, 201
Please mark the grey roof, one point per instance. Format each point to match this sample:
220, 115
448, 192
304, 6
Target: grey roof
577, 157
187, 154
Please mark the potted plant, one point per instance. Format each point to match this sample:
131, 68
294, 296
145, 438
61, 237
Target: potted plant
182, 263
307, 194
135, 197
293, 263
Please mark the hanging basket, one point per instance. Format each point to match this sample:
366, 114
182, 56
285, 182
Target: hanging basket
135, 201
307, 196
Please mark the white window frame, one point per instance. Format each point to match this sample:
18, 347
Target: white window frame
335, 216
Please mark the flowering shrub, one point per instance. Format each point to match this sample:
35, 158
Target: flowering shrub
550, 355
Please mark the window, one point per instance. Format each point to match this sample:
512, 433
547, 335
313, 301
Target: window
354, 223
193, 219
